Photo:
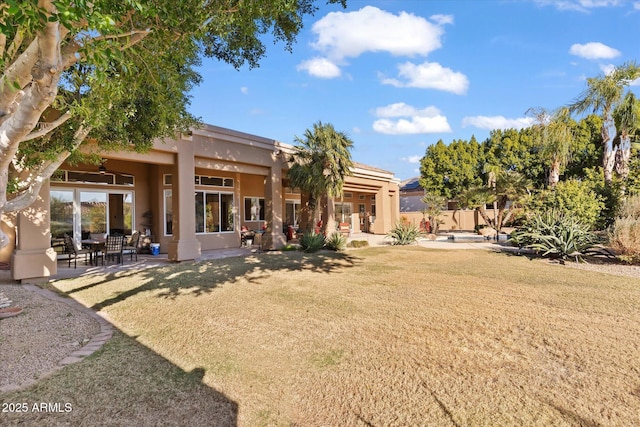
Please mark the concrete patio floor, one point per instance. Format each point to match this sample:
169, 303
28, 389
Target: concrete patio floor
150, 261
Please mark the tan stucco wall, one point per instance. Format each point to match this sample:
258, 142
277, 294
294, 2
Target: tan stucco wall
460, 220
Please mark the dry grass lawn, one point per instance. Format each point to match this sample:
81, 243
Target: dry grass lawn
393, 336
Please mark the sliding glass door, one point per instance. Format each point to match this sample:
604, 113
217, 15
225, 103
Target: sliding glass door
81, 213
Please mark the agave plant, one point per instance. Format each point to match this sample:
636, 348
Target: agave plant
336, 242
311, 242
404, 233
555, 235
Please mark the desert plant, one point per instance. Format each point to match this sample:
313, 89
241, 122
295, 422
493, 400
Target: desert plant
311, 242
404, 233
624, 234
556, 235
578, 199
336, 242
358, 244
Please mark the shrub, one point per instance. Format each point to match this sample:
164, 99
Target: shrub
311, 242
289, 247
404, 233
336, 242
556, 235
358, 244
624, 234
577, 199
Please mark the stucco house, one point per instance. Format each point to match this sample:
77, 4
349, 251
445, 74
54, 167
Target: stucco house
189, 194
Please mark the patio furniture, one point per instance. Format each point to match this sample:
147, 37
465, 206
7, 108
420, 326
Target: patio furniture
74, 251
132, 245
247, 237
112, 249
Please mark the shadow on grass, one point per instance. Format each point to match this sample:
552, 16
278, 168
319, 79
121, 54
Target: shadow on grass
122, 384
204, 276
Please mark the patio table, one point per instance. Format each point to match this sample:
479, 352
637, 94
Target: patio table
95, 246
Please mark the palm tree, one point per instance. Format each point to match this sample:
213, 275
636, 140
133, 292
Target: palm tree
507, 189
554, 134
319, 165
626, 117
602, 95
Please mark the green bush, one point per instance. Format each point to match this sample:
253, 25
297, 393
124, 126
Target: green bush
311, 242
404, 233
624, 234
358, 244
556, 235
336, 242
578, 199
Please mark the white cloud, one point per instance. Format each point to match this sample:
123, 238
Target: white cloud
350, 34
342, 35
578, 5
412, 159
607, 68
403, 119
442, 19
429, 75
400, 109
497, 122
244, 90
594, 50
636, 5
320, 67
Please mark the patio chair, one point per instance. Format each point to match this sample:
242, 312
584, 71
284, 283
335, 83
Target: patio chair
112, 249
131, 247
72, 250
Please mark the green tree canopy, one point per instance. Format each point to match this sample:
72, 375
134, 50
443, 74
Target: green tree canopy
446, 170
116, 72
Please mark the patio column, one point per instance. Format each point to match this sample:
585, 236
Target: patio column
184, 245
33, 259
383, 212
273, 237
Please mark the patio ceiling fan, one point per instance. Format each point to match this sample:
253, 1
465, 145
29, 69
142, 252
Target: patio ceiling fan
103, 169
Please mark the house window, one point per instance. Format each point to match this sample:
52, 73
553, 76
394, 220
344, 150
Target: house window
292, 212
61, 211
253, 209
168, 213
81, 177
80, 212
213, 181
343, 212
214, 212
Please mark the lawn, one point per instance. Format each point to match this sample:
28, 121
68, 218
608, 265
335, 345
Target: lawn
391, 336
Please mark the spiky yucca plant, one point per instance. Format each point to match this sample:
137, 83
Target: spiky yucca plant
336, 242
555, 235
404, 233
311, 242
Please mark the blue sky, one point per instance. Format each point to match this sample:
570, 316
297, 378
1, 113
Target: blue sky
397, 76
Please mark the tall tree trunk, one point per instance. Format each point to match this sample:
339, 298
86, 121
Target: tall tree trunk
608, 153
554, 174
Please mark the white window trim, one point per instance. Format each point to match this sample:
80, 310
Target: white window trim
220, 193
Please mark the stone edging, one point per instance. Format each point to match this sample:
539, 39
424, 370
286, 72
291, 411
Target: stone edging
95, 343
